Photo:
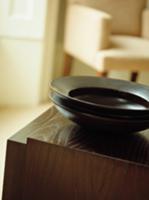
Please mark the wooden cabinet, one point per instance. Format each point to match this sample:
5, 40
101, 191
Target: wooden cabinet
53, 158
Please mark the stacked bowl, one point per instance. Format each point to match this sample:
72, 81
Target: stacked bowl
103, 104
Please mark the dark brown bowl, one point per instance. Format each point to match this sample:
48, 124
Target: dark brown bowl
66, 102
104, 124
104, 95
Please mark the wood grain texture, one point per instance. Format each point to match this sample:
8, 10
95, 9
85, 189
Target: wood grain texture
54, 172
52, 127
55, 129
64, 161
14, 171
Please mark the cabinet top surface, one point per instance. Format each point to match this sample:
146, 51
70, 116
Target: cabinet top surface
51, 127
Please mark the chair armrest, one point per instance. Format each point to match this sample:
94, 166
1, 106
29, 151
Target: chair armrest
87, 31
145, 23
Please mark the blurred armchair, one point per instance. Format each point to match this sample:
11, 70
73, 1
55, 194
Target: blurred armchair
107, 35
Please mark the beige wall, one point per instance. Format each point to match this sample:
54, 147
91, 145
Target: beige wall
22, 35
20, 71
26, 56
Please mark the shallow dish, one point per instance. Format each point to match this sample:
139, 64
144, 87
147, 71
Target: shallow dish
66, 102
104, 124
104, 95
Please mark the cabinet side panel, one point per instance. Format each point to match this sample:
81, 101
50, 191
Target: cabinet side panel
14, 171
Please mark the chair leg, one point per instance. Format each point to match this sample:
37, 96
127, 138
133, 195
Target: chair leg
102, 74
67, 64
134, 76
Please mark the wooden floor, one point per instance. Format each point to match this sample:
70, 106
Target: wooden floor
11, 120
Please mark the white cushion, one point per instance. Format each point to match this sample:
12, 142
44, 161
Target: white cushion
126, 52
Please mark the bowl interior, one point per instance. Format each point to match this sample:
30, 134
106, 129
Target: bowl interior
110, 98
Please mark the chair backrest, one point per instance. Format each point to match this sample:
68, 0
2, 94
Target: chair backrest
126, 13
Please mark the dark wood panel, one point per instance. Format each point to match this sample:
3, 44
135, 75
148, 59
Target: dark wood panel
55, 129
14, 171
34, 127
54, 172
63, 161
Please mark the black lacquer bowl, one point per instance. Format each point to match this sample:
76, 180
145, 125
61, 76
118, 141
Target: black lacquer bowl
102, 103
